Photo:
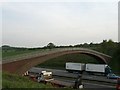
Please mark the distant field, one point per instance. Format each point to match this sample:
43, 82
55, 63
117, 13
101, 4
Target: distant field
10, 53
59, 62
16, 54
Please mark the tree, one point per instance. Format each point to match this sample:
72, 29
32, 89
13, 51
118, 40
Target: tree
85, 45
116, 59
50, 46
111, 43
91, 44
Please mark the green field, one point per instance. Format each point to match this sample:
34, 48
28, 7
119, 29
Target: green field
11, 53
15, 53
59, 62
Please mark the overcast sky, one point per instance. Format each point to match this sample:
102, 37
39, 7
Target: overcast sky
33, 24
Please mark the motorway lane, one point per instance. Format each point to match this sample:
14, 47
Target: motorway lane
87, 84
98, 81
65, 73
93, 85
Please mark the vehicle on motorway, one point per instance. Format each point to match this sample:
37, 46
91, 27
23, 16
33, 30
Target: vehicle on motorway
90, 68
98, 68
25, 74
112, 76
75, 67
118, 84
78, 82
44, 76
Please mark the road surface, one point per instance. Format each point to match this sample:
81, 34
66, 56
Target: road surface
89, 81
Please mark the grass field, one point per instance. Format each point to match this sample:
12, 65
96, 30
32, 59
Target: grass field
11, 53
18, 53
60, 61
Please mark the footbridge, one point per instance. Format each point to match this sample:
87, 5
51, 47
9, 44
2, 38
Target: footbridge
21, 64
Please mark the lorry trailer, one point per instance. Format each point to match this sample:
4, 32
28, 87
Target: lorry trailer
75, 67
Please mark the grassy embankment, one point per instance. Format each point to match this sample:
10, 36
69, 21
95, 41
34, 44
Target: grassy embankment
16, 81
59, 62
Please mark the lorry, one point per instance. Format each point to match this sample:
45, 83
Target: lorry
90, 68
72, 67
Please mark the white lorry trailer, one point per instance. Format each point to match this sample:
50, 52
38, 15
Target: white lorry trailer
75, 67
98, 68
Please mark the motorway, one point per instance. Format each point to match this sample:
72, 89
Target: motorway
91, 85
89, 81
